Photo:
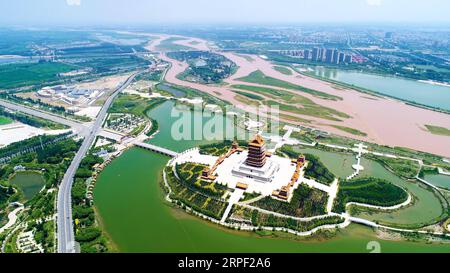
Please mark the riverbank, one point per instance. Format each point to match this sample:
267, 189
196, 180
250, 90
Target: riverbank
380, 118
132, 183
370, 91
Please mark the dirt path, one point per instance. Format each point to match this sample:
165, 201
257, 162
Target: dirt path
386, 121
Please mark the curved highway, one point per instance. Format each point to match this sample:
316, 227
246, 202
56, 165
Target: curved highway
65, 231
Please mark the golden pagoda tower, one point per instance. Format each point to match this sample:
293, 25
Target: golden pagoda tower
257, 154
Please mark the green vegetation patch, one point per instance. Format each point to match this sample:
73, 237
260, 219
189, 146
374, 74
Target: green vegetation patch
44, 234
5, 193
51, 162
134, 104
5, 120
289, 151
288, 101
38, 143
191, 93
186, 193
262, 219
246, 100
436, 130
321, 112
250, 95
249, 196
29, 120
154, 75
218, 149
283, 69
189, 174
204, 67
371, 191
268, 92
425, 170
349, 130
87, 231
17, 75
305, 202
170, 45
401, 167
316, 170
302, 136
259, 78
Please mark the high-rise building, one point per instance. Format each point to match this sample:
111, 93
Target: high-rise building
315, 54
341, 57
306, 54
322, 54
256, 152
348, 59
335, 56
329, 55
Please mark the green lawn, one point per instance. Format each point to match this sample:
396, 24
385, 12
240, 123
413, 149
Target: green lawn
282, 69
260, 78
17, 75
5, 120
436, 130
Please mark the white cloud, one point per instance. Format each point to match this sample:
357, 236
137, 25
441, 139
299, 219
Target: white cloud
374, 2
73, 2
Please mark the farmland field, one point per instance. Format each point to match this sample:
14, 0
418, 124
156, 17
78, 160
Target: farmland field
18, 75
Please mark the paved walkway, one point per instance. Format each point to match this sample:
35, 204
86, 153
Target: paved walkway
317, 185
360, 149
12, 216
332, 194
253, 200
234, 198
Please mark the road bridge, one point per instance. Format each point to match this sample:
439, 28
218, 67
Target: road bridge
156, 149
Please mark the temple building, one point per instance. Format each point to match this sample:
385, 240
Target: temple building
257, 165
256, 152
285, 192
253, 170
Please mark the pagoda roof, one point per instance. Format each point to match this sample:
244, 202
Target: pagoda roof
258, 141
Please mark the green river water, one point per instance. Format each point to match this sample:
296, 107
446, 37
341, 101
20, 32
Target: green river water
410, 90
130, 203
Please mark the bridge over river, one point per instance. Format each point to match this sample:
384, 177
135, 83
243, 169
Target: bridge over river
156, 149
123, 138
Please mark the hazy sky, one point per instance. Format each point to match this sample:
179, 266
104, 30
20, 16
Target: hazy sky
221, 11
